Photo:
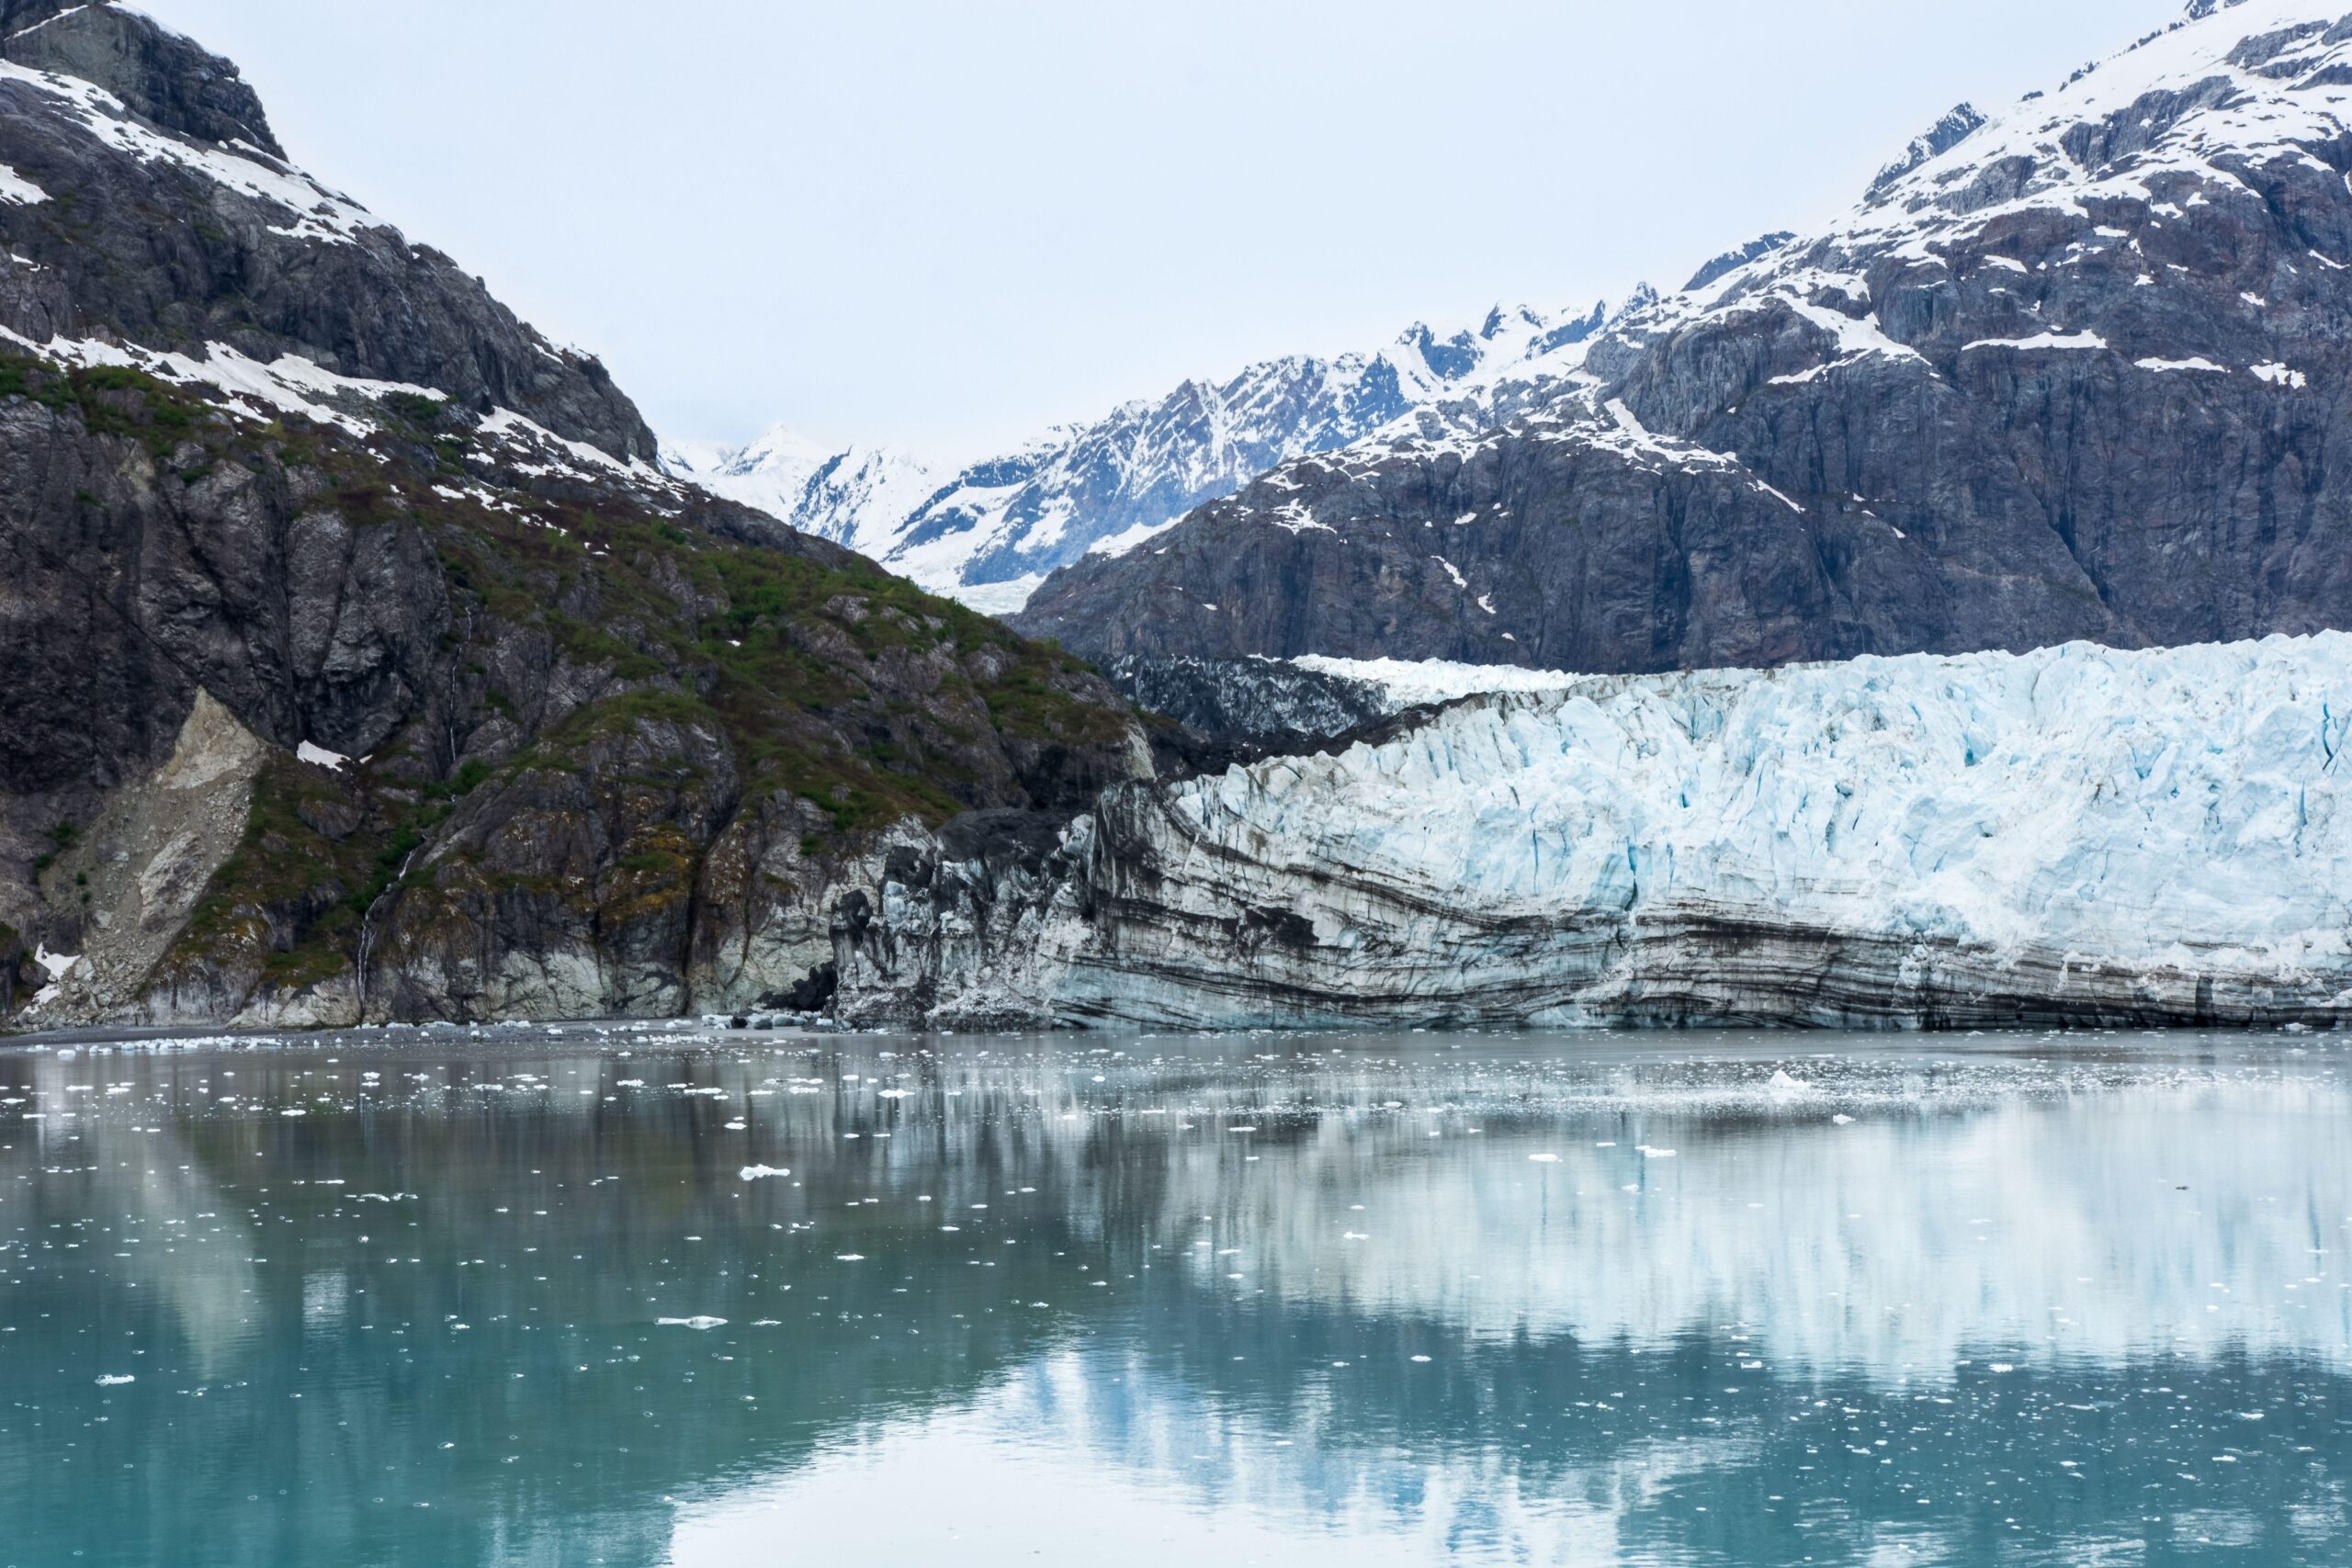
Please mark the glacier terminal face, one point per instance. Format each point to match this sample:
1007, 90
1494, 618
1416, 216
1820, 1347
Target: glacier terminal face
2073, 835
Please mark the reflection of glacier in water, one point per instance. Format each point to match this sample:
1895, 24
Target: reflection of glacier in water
1834, 1294
2004, 1300
2145, 1221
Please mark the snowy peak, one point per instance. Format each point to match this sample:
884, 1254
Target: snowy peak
990, 532
2247, 81
832, 492
1734, 259
1505, 337
1941, 138
2197, 120
778, 448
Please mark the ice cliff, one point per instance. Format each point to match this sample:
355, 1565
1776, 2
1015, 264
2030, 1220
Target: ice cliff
2077, 834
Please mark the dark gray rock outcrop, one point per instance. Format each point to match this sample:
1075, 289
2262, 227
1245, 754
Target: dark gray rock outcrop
164, 77
1258, 703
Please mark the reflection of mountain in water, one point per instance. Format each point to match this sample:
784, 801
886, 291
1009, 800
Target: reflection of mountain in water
1798, 1321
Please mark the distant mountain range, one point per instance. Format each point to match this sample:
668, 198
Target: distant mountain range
989, 532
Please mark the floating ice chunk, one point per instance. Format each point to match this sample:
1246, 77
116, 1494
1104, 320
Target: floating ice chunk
1783, 1086
116, 1380
849, 1258
697, 1322
1649, 1153
1544, 1159
753, 1172
1842, 1119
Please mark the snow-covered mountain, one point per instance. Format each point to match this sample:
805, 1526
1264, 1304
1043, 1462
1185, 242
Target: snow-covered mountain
2075, 834
2069, 370
988, 533
851, 496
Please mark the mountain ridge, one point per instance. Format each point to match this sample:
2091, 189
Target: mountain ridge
2075, 376
988, 529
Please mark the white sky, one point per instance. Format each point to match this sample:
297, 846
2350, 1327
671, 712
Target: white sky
946, 223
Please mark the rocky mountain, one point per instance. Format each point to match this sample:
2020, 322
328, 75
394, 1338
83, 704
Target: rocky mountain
989, 532
1262, 704
2075, 836
2076, 371
358, 661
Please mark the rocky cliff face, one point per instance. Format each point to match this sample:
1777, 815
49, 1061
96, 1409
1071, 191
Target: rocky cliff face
2075, 835
1262, 704
2072, 372
357, 660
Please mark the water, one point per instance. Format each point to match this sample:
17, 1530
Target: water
399, 1298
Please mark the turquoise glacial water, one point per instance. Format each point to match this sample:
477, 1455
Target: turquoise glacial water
644, 1296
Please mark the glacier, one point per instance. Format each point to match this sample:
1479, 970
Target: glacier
2074, 835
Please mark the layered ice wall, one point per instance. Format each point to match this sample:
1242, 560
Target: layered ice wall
2075, 834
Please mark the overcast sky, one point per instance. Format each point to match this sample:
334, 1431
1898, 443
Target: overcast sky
945, 223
